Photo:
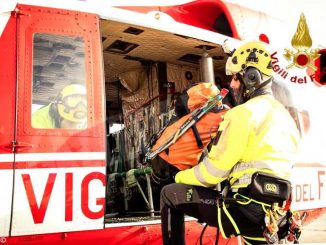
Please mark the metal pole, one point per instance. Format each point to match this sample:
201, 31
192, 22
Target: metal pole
206, 69
150, 195
142, 193
125, 194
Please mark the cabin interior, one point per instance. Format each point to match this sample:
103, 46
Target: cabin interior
145, 71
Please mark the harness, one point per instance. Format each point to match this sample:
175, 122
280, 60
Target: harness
269, 192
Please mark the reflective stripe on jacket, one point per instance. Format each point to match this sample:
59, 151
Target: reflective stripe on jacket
259, 135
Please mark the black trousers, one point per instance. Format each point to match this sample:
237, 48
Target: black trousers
201, 203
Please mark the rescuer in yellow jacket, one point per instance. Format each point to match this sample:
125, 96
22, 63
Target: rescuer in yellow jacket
257, 136
69, 110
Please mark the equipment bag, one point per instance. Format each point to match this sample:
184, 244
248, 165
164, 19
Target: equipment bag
187, 149
185, 153
269, 188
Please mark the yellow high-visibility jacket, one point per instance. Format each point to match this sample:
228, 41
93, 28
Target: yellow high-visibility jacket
42, 118
259, 135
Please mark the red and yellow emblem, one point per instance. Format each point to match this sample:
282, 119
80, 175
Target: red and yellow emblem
301, 57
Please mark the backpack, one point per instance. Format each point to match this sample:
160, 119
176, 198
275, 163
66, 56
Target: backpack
186, 151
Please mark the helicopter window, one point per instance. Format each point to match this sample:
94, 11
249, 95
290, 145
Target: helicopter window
59, 82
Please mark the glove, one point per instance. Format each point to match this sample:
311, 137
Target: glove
130, 178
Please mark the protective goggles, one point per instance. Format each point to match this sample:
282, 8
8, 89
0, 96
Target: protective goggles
73, 101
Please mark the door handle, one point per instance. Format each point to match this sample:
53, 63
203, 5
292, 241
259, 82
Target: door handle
8, 148
15, 147
21, 146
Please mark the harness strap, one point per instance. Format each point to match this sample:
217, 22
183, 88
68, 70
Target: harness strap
228, 215
249, 200
193, 127
219, 221
222, 208
246, 238
242, 200
197, 136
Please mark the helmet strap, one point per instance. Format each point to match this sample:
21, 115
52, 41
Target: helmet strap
263, 88
54, 113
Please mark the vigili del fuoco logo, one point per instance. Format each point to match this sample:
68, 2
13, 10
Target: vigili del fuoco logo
302, 56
